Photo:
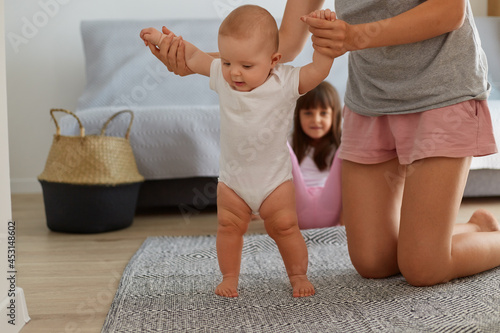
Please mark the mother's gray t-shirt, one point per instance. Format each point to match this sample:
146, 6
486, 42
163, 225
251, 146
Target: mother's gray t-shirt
441, 71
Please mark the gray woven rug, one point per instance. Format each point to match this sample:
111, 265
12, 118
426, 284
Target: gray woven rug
168, 286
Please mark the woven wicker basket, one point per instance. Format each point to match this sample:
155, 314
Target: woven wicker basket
90, 182
91, 159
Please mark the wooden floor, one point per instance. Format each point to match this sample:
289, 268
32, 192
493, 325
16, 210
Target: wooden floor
70, 280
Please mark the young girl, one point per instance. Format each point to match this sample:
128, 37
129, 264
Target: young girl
315, 165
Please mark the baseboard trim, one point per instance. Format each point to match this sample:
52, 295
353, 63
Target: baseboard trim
25, 186
19, 314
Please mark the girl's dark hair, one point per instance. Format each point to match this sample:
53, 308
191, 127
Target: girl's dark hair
324, 96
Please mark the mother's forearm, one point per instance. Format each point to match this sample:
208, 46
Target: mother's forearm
430, 19
293, 32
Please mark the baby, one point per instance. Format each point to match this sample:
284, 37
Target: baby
257, 97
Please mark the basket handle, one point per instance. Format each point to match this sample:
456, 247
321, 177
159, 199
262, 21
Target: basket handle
104, 127
58, 129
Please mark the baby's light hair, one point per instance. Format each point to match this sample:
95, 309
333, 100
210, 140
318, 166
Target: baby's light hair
249, 20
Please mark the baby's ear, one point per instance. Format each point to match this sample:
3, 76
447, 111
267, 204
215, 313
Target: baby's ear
275, 58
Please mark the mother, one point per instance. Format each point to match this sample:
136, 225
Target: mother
415, 114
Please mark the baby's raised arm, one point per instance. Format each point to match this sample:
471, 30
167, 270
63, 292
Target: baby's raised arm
314, 73
197, 60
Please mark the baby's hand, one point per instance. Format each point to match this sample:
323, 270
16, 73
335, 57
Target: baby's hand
331, 37
324, 14
152, 36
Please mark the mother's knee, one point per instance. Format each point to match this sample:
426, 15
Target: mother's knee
373, 265
420, 270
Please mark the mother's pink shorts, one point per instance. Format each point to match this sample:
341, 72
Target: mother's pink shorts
459, 130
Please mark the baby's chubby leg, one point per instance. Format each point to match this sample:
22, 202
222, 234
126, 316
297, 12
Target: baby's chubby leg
233, 215
280, 219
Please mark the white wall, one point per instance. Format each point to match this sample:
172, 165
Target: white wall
13, 312
5, 204
479, 7
45, 65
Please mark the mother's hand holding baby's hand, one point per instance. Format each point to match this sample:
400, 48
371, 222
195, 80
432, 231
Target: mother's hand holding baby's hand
331, 36
170, 50
174, 57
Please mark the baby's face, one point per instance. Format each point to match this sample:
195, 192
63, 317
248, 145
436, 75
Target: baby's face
246, 64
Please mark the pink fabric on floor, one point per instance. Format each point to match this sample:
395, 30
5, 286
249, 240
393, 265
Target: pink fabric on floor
318, 207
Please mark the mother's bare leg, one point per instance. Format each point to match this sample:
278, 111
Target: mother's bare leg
371, 205
429, 249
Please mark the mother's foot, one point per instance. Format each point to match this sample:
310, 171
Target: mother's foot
483, 220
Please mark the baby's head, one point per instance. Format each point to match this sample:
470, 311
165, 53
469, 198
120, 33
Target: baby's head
251, 21
248, 47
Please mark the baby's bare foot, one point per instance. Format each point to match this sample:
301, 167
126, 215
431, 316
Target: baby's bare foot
228, 287
301, 286
484, 221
